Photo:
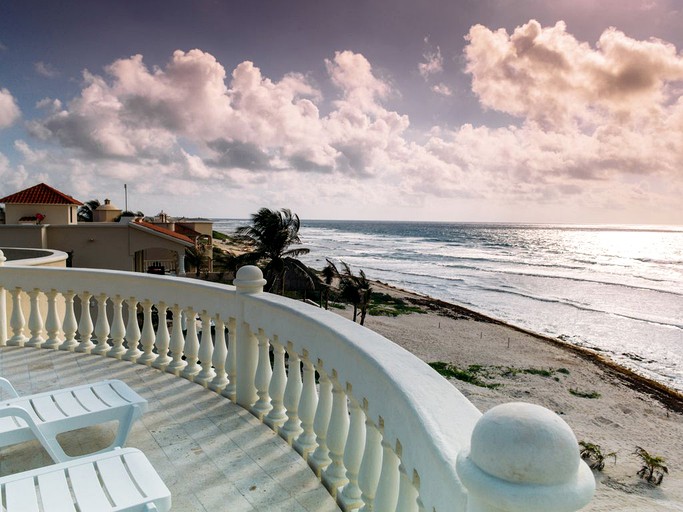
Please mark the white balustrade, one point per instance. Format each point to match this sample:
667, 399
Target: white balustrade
70, 325
305, 443
320, 458
177, 342
35, 321
380, 428
264, 372
231, 363
162, 338
277, 417
219, 357
118, 329
292, 427
191, 345
206, 374
351, 494
53, 323
17, 321
147, 336
132, 331
102, 326
335, 474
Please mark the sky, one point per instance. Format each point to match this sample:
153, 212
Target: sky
568, 111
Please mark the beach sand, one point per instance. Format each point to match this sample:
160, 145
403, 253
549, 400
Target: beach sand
629, 411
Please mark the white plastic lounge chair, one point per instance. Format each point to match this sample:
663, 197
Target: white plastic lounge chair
121, 480
45, 415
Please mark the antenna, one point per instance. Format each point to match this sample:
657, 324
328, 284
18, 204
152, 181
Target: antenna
125, 193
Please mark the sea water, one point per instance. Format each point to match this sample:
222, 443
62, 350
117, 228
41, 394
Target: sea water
614, 289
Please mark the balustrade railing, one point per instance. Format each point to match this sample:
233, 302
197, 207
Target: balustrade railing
378, 426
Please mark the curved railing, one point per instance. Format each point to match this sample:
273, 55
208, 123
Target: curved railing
27, 257
379, 427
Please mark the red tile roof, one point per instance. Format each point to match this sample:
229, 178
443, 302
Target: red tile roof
39, 194
163, 231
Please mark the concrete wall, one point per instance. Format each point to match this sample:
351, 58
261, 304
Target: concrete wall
54, 213
23, 235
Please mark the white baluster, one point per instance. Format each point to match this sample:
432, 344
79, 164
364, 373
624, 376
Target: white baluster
387, 490
191, 346
35, 321
147, 339
70, 325
305, 443
292, 427
132, 331
370, 468
220, 354
205, 352
118, 329
102, 326
335, 474
263, 375
408, 492
277, 417
320, 458
162, 339
85, 325
353, 455
177, 342
53, 325
17, 321
231, 389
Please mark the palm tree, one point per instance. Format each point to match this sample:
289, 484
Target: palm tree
196, 257
355, 289
329, 273
271, 234
86, 212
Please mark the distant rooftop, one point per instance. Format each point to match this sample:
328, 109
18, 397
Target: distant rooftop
40, 194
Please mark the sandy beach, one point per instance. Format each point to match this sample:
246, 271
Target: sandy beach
625, 411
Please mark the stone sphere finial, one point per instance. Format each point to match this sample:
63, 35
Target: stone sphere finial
526, 457
249, 279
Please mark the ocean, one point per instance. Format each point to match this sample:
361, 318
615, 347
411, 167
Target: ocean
612, 288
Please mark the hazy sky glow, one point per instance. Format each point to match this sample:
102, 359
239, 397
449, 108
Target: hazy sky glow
454, 110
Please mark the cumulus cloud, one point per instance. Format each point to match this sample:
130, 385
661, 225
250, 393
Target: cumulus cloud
544, 74
9, 110
587, 121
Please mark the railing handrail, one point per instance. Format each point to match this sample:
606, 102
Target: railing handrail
424, 422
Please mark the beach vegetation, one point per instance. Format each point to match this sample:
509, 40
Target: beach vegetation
383, 304
473, 374
273, 240
563, 370
217, 235
584, 394
653, 468
511, 371
86, 212
592, 453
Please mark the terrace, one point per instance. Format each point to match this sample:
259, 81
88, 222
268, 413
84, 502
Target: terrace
258, 402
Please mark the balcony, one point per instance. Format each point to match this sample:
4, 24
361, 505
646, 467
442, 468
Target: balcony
248, 386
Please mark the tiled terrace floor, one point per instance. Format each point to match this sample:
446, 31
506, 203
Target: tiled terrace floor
212, 454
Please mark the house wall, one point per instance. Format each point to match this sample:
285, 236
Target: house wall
94, 245
55, 214
205, 228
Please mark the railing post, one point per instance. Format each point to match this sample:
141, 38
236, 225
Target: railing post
3, 307
249, 281
524, 458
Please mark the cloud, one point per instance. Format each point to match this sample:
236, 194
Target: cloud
442, 89
433, 63
46, 70
588, 123
9, 110
545, 75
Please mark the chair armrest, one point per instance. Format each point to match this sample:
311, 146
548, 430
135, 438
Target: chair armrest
7, 386
19, 412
